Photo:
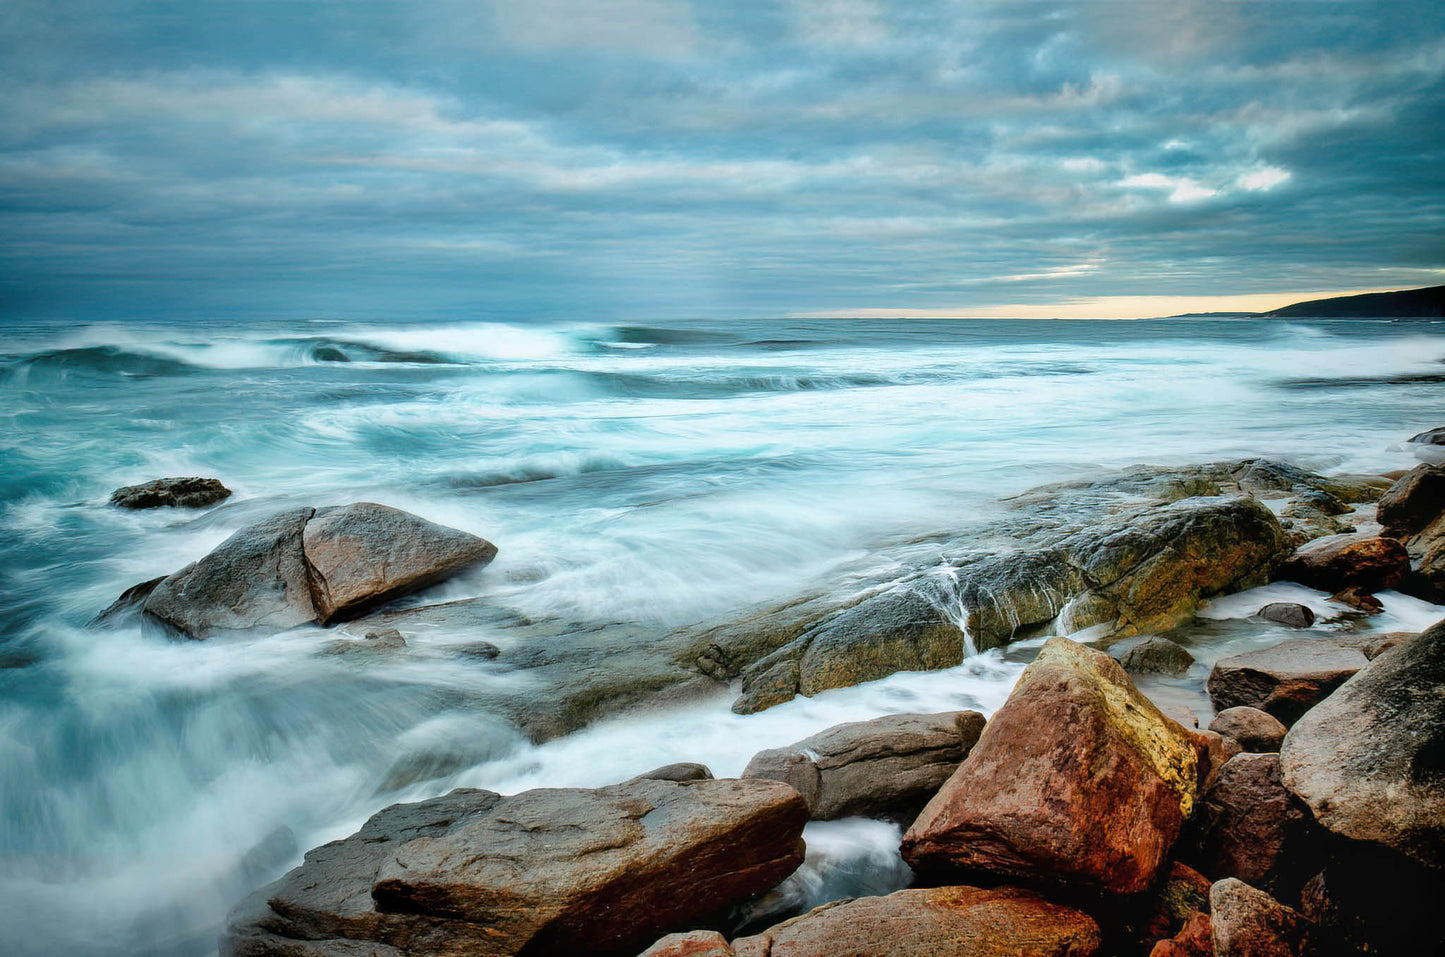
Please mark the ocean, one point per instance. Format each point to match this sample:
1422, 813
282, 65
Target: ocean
662, 474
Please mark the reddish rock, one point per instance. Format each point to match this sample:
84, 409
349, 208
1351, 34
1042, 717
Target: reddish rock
1247, 922
1286, 679
1195, 939
1182, 894
1255, 730
697, 943
364, 553
1337, 562
952, 921
1247, 823
1077, 779
888, 767
1415, 500
1359, 600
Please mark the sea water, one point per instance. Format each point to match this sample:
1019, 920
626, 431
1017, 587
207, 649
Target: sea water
663, 474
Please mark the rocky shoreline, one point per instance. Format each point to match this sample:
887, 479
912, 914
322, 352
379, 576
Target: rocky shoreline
1308, 818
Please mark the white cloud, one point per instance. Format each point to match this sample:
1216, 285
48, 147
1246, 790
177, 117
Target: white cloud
1264, 178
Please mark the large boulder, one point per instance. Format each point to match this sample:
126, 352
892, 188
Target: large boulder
185, 492
545, 872
363, 554
957, 921
1337, 562
1370, 760
306, 565
886, 768
1286, 679
693, 943
1078, 779
1415, 500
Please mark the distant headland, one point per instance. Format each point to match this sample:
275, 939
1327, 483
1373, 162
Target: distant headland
1427, 303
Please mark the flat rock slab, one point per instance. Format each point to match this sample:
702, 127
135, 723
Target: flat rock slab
1286, 679
956, 921
545, 872
1370, 760
887, 768
185, 492
1078, 779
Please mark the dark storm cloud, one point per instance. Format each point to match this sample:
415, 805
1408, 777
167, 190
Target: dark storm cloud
569, 157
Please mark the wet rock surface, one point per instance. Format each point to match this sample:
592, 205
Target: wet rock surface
1338, 562
545, 872
185, 492
1153, 656
886, 768
1078, 779
1255, 730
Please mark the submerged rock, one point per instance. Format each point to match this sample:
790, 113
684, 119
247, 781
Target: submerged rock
545, 872
1286, 679
957, 921
886, 768
1370, 760
1078, 779
1288, 613
306, 565
187, 492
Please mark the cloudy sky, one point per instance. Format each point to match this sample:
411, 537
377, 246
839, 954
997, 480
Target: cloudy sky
668, 158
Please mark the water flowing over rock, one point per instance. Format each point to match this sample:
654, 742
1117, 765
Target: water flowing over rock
1145, 572
1286, 679
1077, 779
957, 921
187, 492
888, 767
306, 565
545, 872
1370, 760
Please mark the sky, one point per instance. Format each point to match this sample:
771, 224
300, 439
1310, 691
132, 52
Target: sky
578, 159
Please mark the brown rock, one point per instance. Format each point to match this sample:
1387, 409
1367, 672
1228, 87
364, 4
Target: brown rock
1413, 502
1195, 939
952, 921
256, 579
1255, 730
1077, 779
1247, 822
363, 554
188, 492
545, 872
1337, 562
1154, 655
1370, 760
1184, 893
1286, 679
1288, 613
696, 943
888, 767
1247, 922
1360, 600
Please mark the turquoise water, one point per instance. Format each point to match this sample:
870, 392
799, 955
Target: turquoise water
661, 474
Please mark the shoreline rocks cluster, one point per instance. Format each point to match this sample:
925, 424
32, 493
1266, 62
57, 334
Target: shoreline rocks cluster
1308, 819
